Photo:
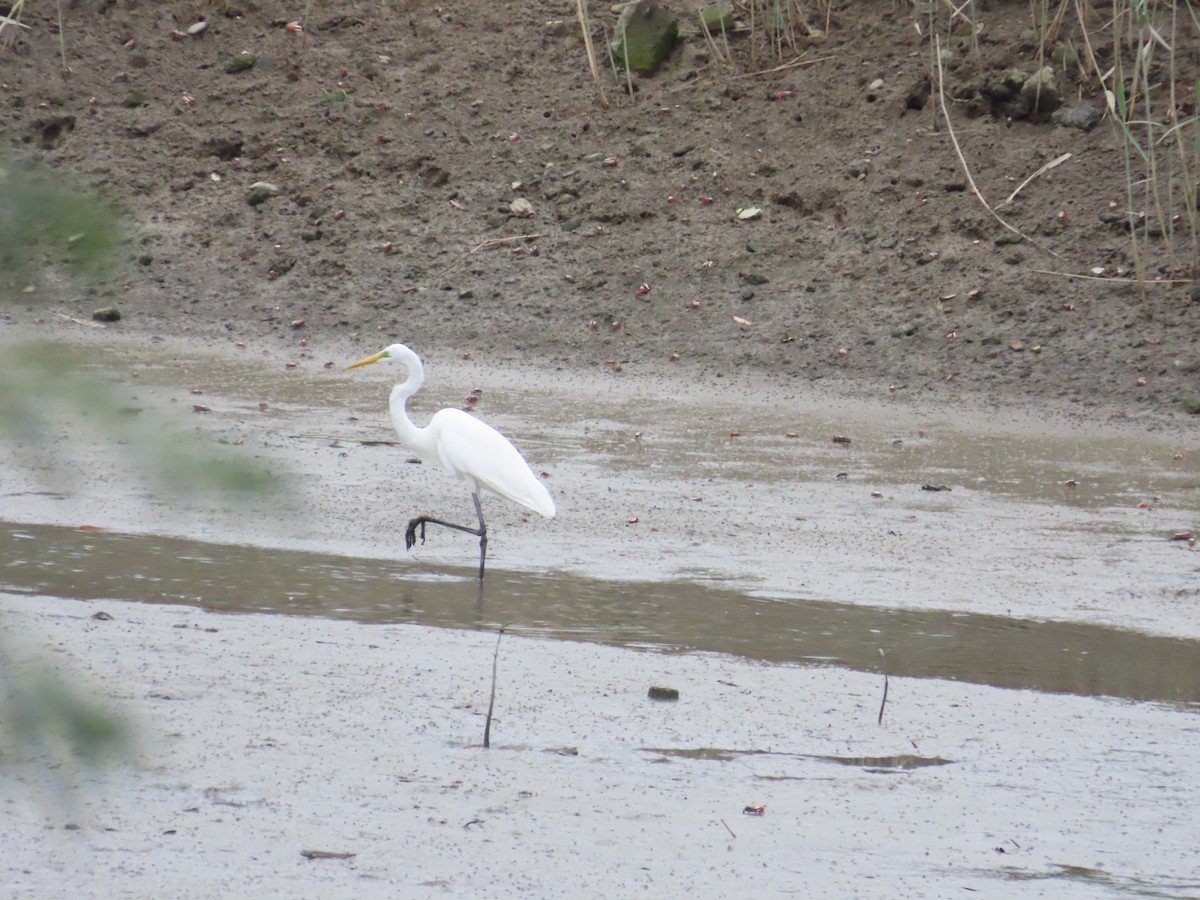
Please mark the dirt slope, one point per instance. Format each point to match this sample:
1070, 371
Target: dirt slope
399, 135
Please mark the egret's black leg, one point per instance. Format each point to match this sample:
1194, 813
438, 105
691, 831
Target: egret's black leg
410, 533
482, 534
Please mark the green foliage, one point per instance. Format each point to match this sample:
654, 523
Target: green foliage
55, 413
40, 714
53, 408
43, 220
47, 392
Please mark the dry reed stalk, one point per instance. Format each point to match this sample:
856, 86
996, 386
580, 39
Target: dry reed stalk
581, 12
963, 160
1057, 161
13, 19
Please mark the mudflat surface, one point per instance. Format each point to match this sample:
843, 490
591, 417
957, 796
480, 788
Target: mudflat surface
264, 737
733, 481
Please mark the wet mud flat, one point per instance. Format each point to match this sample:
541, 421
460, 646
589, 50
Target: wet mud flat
732, 482
265, 737
338, 748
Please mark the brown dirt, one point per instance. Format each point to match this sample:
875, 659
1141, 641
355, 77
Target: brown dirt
868, 231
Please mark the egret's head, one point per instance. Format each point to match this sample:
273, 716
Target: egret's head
398, 353
373, 358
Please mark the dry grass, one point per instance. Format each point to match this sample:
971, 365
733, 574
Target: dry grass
1147, 103
1132, 54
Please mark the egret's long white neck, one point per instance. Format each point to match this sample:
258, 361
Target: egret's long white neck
417, 438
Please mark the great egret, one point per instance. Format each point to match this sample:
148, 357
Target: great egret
465, 446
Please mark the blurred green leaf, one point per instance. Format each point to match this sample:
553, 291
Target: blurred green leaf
46, 220
54, 723
55, 411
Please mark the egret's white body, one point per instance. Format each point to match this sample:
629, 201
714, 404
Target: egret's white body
467, 448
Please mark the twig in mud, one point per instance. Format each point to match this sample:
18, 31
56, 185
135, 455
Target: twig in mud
1058, 161
487, 726
879, 721
963, 160
6, 21
458, 261
337, 439
80, 321
1152, 281
62, 41
496, 242
700, 82
795, 63
326, 854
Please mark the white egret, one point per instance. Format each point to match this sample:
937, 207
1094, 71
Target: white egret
465, 446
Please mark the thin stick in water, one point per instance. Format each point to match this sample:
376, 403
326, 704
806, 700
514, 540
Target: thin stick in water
879, 721
487, 727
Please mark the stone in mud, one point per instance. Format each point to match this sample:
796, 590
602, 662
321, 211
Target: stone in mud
261, 192
240, 62
107, 314
644, 37
1084, 117
1039, 96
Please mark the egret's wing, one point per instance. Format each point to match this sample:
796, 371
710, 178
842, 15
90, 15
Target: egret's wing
474, 450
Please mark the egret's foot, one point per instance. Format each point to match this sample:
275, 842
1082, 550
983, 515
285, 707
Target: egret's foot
410, 533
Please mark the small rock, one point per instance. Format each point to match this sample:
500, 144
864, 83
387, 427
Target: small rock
521, 208
1084, 117
1064, 55
1039, 96
261, 192
240, 62
917, 96
107, 314
644, 37
663, 693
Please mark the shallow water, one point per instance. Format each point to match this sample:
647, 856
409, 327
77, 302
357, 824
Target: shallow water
994, 650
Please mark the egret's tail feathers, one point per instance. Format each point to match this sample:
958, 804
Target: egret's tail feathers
530, 493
